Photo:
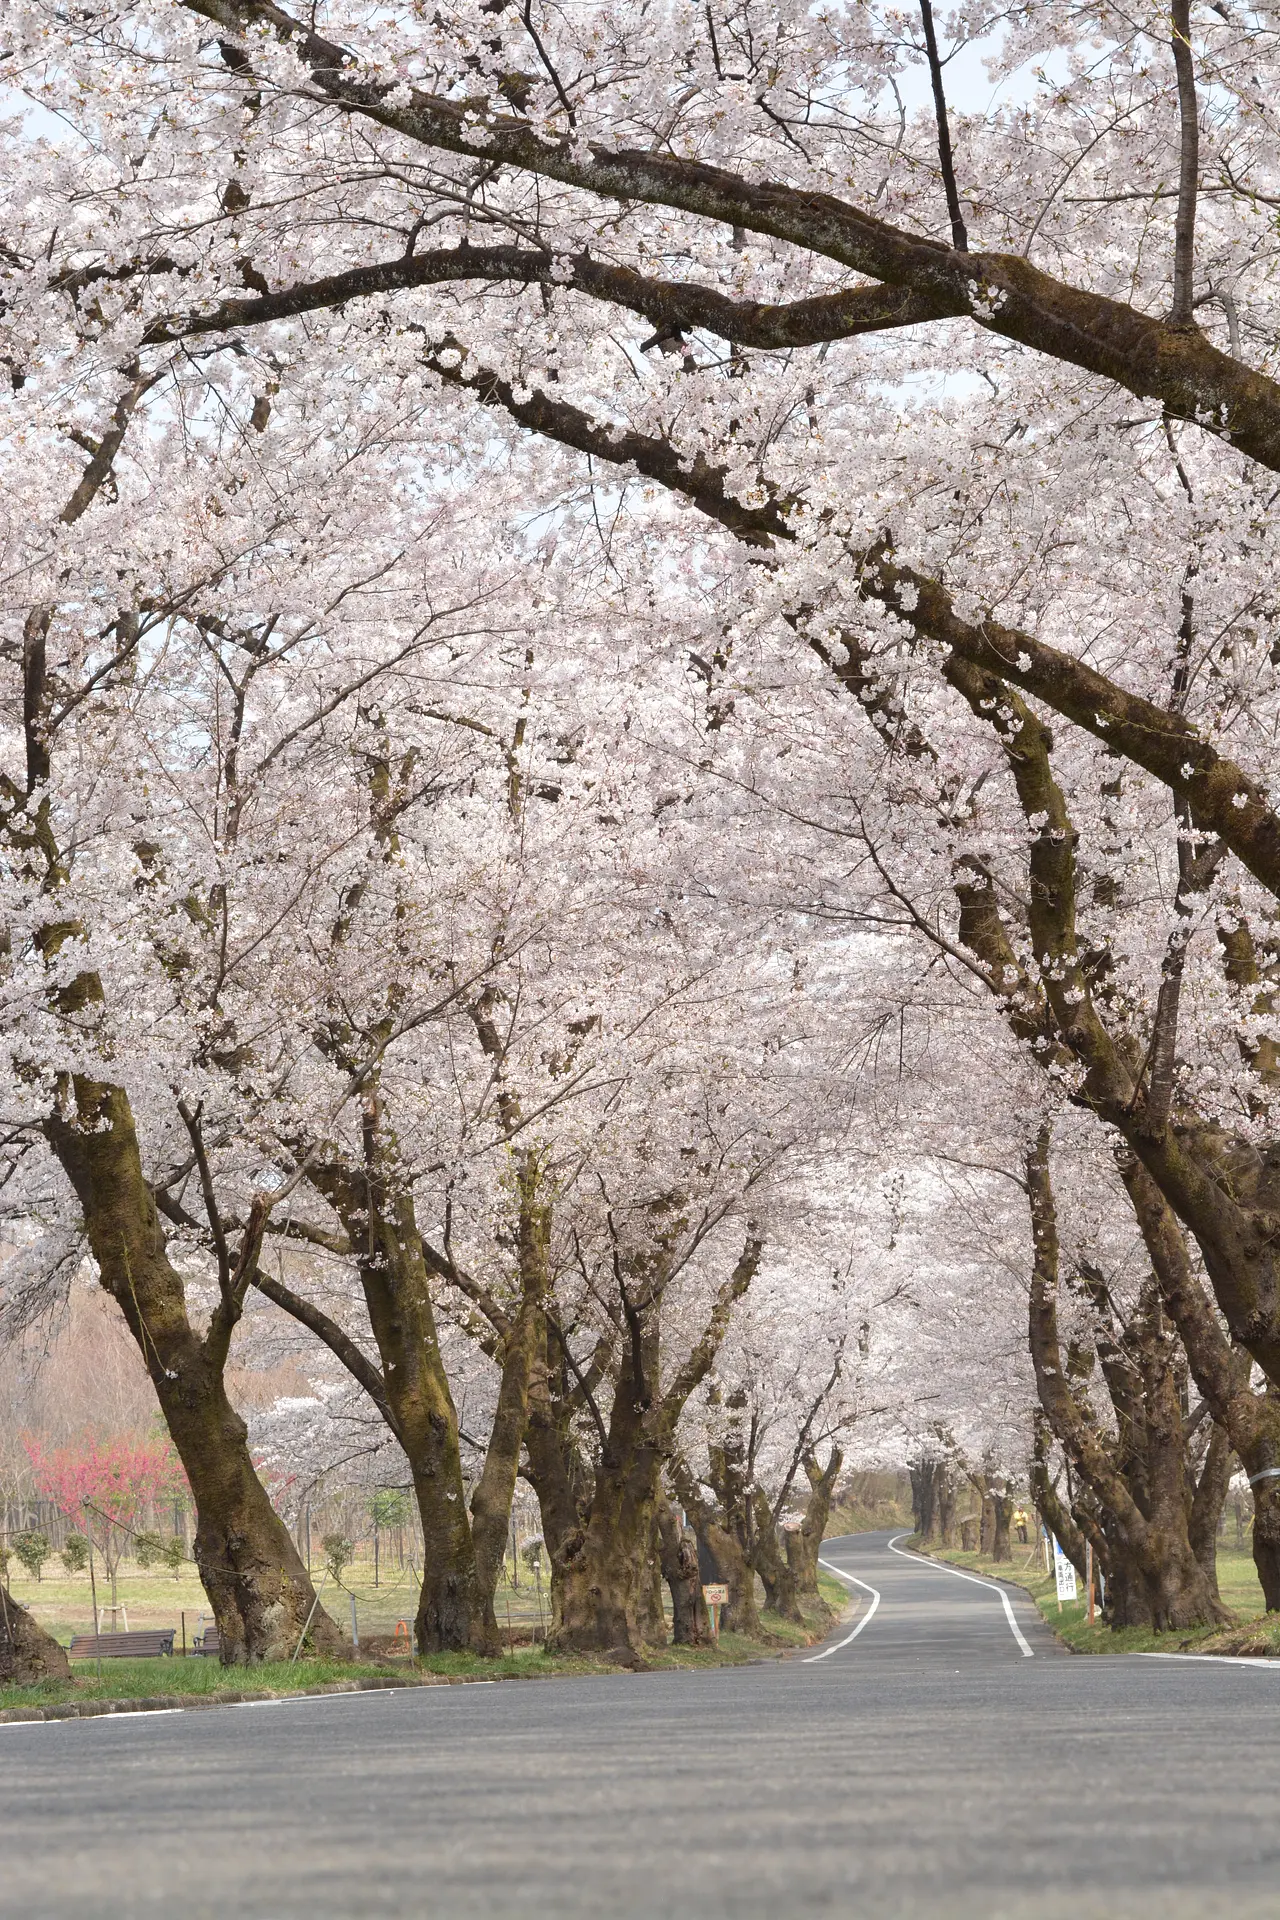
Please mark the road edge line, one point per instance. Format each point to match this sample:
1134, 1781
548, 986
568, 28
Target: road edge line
974, 1579
869, 1615
1213, 1659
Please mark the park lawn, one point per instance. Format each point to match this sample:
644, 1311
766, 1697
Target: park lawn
1254, 1631
208, 1680
63, 1603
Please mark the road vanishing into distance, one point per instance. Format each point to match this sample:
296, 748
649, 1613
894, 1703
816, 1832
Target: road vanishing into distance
939, 1755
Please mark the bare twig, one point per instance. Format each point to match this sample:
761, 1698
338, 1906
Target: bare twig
959, 233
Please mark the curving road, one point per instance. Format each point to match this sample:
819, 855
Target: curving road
939, 1756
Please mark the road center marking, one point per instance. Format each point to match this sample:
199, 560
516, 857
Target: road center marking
865, 1620
921, 1560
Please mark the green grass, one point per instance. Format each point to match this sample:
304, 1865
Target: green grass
208, 1680
1254, 1631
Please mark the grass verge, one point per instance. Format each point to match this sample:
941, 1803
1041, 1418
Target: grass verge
1254, 1632
178, 1682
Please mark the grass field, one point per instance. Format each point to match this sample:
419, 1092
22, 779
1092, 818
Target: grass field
60, 1606
1237, 1583
157, 1598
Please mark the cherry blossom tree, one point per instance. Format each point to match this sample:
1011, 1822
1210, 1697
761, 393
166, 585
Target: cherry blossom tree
107, 1487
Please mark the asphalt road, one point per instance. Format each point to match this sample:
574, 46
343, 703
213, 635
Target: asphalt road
920, 1764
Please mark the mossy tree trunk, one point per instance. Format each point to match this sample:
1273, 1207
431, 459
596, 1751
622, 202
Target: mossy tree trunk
1221, 1370
1139, 1484
679, 1550
557, 1466
28, 1654
722, 1558
804, 1543
411, 1387
777, 1574
608, 1559
463, 1553
261, 1592
518, 1349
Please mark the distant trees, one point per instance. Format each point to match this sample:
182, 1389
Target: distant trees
105, 1487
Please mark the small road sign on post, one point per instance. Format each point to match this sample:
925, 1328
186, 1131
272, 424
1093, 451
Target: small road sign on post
715, 1595
1066, 1575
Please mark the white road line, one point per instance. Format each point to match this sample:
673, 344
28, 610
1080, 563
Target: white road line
922, 1560
137, 1713
853, 1582
1219, 1659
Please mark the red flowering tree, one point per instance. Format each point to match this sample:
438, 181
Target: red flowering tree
105, 1486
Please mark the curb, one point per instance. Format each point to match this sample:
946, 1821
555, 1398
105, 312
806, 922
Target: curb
190, 1702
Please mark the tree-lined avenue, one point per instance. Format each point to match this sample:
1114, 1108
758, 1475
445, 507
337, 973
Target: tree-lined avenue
928, 1767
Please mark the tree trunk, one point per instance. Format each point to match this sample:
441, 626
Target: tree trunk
722, 1559
261, 1593
679, 1550
804, 1543
607, 1565
491, 1500
1266, 1540
933, 1502
777, 1573
1153, 1574
651, 1613
1250, 1420
1002, 1519
607, 1561
924, 1486
605, 1571
945, 1507
28, 1654
377, 1213
1209, 1501
1059, 1522
556, 1470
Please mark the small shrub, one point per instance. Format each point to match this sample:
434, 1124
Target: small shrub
75, 1554
147, 1549
338, 1554
174, 1554
33, 1550
389, 1507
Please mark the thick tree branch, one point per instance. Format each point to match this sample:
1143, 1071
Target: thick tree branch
1002, 293
700, 1360
340, 1344
1223, 799
671, 305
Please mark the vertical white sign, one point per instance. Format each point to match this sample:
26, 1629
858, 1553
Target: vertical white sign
1066, 1574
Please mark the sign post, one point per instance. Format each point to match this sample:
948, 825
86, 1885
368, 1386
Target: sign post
715, 1596
1066, 1575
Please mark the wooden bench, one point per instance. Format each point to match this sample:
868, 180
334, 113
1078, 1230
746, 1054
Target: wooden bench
208, 1642
142, 1643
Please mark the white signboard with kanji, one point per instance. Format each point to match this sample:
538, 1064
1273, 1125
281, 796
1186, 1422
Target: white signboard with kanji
1065, 1572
